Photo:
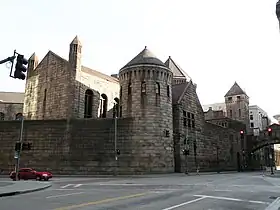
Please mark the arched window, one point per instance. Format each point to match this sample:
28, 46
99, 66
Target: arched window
104, 105
88, 104
157, 88
168, 91
121, 93
18, 116
2, 116
143, 87
129, 89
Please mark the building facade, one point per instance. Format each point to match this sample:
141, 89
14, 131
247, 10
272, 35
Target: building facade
158, 99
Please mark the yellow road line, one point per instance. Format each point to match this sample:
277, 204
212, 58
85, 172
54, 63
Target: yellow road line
101, 201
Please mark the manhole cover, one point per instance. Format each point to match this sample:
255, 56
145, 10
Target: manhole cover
273, 197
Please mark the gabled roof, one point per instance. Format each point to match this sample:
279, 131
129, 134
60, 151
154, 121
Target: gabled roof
177, 91
235, 90
11, 97
178, 72
85, 69
144, 57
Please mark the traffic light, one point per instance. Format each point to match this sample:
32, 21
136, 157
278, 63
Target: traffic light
186, 152
20, 67
17, 146
118, 152
242, 134
26, 146
269, 131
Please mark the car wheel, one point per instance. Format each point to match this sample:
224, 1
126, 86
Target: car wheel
46, 178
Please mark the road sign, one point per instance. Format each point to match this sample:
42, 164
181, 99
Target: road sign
16, 155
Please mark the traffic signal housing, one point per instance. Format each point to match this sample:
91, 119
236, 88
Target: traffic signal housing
269, 130
20, 67
26, 146
242, 134
186, 152
17, 146
118, 152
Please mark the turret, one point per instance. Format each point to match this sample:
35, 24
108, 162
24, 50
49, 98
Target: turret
146, 96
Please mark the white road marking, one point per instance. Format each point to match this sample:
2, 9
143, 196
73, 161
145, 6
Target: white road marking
108, 184
274, 205
68, 185
77, 185
183, 204
231, 199
223, 190
64, 195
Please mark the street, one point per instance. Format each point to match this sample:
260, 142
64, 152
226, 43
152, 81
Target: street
156, 192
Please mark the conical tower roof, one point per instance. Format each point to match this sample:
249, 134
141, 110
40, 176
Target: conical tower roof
144, 57
235, 90
76, 41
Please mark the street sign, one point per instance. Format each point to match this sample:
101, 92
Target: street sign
16, 155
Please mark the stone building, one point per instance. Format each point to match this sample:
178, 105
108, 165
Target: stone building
57, 88
11, 105
236, 107
157, 107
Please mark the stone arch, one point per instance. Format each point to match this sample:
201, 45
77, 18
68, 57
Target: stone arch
104, 105
19, 116
88, 103
265, 143
2, 116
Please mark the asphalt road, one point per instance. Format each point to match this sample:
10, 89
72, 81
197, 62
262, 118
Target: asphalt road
238, 191
3, 184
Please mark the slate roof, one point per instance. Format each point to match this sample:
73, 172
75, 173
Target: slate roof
11, 97
235, 90
144, 57
177, 91
178, 72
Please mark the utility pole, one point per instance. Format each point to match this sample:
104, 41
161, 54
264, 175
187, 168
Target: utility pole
20, 148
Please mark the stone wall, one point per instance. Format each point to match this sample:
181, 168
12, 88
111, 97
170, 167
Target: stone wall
83, 147
73, 147
211, 147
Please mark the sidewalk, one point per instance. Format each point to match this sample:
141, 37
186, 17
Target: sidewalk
9, 188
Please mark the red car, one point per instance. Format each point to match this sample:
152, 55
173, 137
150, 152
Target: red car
29, 173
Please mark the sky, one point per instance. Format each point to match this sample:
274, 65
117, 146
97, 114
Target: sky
217, 42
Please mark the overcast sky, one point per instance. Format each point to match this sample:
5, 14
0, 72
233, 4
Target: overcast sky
217, 42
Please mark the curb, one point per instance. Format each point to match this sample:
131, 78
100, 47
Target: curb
23, 191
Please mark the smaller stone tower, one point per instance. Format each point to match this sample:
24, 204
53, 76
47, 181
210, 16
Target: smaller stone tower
146, 96
33, 62
75, 56
237, 105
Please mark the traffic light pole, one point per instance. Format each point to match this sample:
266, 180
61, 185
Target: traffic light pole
9, 59
20, 149
115, 138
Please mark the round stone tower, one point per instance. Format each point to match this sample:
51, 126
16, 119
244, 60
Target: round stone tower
146, 96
